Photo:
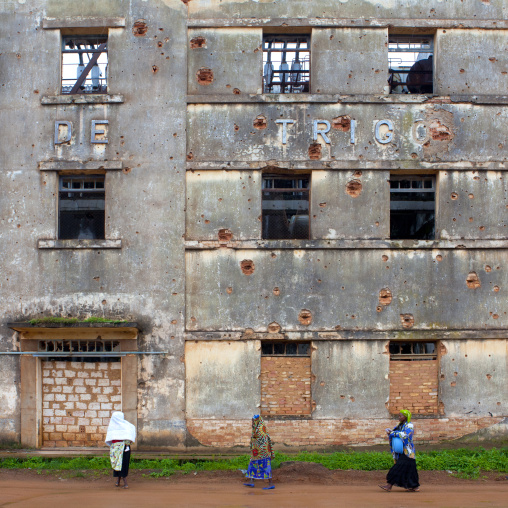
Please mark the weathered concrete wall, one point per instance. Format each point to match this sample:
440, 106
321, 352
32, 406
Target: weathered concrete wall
481, 69
341, 289
474, 379
214, 202
452, 132
222, 379
349, 60
351, 379
233, 56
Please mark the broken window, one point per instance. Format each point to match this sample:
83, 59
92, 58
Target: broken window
413, 351
412, 207
285, 348
285, 202
410, 63
84, 64
286, 63
58, 350
81, 207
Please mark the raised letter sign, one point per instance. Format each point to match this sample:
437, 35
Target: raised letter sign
316, 130
96, 131
353, 131
284, 122
388, 136
57, 132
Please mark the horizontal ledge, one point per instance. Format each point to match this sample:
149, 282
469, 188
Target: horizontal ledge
27, 326
82, 99
346, 99
350, 164
79, 244
69, 165
344, 22
351, 335
348, 244
83, 22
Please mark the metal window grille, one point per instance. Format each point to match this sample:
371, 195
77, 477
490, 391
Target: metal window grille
84, 64
409, 351
410, 63
89, 351
81, 207
412, 207
286, 63
285, 348
285, 203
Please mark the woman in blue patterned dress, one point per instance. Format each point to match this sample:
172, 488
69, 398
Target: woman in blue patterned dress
403, 473
260, 465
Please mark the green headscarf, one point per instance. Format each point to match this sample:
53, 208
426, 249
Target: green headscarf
407, 414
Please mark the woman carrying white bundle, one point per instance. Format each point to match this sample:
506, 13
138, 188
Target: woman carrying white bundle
121, 434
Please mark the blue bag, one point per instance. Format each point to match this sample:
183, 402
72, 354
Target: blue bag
397, 445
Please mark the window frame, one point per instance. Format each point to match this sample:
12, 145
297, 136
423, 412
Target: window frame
413, 356
299, 343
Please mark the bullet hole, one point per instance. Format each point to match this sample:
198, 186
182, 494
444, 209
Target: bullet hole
315, 151
342, 123
414, 155
322, 205
496, 289
237, 91
155, 69
342, 396
354, 188
159, 44
439, 132
473, 281
352, 399
173, 322
260, 122
322, 383
36, 91
488, 268
198, 42
193, 319
481, 228
273, 327
454, 196
495, 316
357, 174
453, 383
442, 376
97, 279
225, 235
19, 225
439, 257
190, 156
470, 196
385, 296
498, 403
204, 76
471, 219
207, 221
489, 376
462, 71
276, 291
305, 317
273, 255
407, 320
236, 128
384, 257
229, 290
139, 28
186, 1
247, 266
379, 308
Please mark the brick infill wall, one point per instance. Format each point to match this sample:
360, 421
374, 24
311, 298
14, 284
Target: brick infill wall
285, 385
323, 433
78, 399
414, 386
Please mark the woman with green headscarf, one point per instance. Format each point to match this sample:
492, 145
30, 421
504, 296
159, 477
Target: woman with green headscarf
403, 473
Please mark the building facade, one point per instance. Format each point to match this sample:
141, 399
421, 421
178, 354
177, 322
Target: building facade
217, 208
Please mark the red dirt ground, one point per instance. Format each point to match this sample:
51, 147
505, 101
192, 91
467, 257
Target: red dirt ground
298, 485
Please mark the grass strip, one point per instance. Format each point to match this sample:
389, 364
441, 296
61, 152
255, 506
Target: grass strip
467, 463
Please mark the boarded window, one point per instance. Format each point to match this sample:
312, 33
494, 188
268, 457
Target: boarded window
285, 202
410, 62
81, 207
412, 207
84, 64
286, 63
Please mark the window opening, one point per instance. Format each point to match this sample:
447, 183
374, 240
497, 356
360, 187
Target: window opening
286, 63
410, 63
285, 202
74, 347
412, 207
408, 351
84, 64
81, 207
285, 349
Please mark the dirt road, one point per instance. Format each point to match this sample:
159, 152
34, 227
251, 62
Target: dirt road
26, 489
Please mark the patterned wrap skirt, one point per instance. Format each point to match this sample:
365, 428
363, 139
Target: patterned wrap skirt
123, 473
260, 469
403, 473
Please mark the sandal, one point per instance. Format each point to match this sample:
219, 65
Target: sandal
249, 484
269, 488
384, 487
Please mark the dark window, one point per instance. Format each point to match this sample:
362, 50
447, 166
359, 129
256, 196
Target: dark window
69, 350
81, 207
413, 351
286, 63
285, 201
410, 62
412, 207
285, 348
84, 64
